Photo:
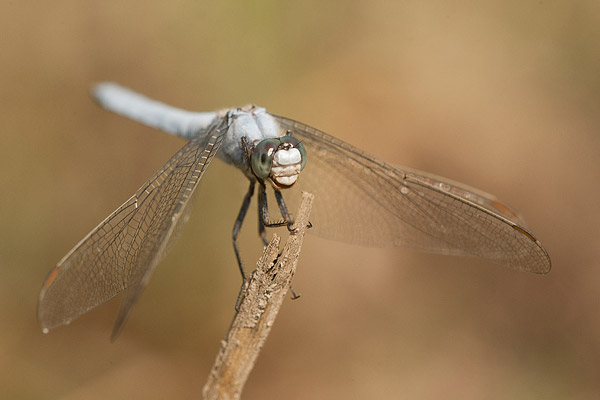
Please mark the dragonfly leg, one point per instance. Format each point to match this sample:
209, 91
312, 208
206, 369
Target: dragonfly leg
238, 225
283, 208
294, 295
285, 213
236, 230
240, 296
263, 209
262, 232
263, 218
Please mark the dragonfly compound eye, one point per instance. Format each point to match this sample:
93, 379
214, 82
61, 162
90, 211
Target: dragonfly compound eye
262, 157
296, 144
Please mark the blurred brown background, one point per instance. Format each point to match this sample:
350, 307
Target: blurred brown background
501, 95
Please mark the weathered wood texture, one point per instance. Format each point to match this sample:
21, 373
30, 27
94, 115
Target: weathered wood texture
263, 297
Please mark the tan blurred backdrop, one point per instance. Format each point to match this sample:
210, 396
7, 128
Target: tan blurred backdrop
501, 95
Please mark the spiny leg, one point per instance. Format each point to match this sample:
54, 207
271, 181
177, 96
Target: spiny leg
263, 209
283, 208
263, 218
236, 230
294, 295
238, 225
262, 232
284, 211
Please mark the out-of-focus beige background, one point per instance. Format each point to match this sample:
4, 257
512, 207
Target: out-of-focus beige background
501, 95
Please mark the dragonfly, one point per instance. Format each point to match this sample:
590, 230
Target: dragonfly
359, 199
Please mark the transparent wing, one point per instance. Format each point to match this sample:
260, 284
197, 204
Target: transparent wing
359, 199
122, 252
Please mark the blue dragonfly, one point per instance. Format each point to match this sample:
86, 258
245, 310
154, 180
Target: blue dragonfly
358, 199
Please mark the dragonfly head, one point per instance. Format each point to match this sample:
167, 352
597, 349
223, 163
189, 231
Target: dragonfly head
279, 159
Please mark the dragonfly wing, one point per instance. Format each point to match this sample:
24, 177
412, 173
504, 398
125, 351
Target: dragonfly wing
359, 199
121, 253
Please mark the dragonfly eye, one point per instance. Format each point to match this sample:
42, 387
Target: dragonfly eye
262, 157
296, 144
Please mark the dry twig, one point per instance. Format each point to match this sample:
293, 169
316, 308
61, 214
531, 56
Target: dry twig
263, 297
